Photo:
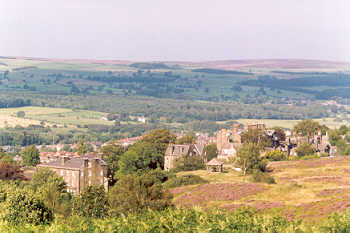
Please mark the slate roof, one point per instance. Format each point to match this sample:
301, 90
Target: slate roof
176, 149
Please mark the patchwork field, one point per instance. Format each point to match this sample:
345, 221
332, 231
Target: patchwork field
308, 189
52, 116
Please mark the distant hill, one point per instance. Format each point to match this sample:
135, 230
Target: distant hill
272, 64
149, 66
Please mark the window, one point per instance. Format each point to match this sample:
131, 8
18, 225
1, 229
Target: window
101, 173
82, 174
90, 173
89, 182
61, 172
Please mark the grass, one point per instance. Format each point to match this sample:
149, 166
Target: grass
53, 116
298, 190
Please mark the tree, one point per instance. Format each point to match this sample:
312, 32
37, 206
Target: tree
307, 128
343, 129
189, 138
10, 171
141, 156
52, 187
30, 156
43, 176
23, 206
82, 148
248, 157
92, 202
21, 114
305, 149
333, 137
160, 138
212, 151
134, 193
111, 117
111, 155
258, 137
280, 134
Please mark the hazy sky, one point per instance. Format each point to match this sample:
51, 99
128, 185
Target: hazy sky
176, 29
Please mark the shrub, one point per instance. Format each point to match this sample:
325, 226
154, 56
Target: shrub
21, 114
184, 180
305, 149
275, 155
189, 163
92, 202
135, 193
23, 206
262, 177
10, 171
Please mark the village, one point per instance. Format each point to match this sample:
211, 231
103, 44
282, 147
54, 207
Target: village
82, 170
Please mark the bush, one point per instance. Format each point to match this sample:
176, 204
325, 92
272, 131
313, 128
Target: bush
184, 180
23, 206
92, 202
262, 177
189, 163
21, 114
134, 193
275, 155
305, 149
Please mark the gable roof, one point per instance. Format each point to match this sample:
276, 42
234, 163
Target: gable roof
215, 162
200, 148
177, 149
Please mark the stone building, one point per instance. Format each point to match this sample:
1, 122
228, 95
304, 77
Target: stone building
228, 141
80, 172
176, 151
318, 141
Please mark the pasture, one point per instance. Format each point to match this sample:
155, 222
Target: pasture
51, 116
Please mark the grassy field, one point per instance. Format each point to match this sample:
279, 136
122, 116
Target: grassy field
309, 190
53, 116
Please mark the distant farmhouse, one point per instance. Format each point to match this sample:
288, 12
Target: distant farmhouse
80, 172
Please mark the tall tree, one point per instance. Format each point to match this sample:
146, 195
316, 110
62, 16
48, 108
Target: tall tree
30, 156
248, 157
307, 128
189, 138
133, 193
212, 151
111, 155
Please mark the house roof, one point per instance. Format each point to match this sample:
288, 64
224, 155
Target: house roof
215, 162
200, 148
177, 149
73, 163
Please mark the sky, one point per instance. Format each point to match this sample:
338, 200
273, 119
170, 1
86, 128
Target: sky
181, 30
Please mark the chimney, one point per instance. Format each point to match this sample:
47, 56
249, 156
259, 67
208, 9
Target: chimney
86, 162
64, 159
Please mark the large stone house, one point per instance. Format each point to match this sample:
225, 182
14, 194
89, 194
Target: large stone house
80, 172
176, 151
228, 141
